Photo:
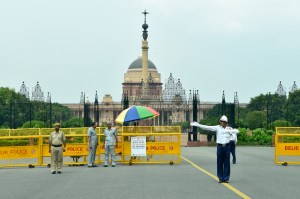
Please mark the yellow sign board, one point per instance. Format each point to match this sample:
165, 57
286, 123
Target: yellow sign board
153, 148
71, 150
288, 148
16, 152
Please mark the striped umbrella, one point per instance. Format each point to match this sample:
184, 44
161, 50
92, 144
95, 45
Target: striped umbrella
136, 113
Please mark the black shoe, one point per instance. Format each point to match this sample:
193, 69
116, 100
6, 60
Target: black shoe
233, 162
53, 172
90, 166
113, 165
105, 165
94, 165
59, 172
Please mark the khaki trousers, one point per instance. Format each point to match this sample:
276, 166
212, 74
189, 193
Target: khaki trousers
56, 158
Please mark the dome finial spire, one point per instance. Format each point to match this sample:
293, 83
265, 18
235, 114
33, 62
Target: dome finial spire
145, 26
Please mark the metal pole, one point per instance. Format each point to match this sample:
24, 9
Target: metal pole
50, 115
10, 115
287, 112
268, 96
30, 116
195, 110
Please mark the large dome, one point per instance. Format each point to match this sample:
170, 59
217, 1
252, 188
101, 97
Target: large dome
137, 64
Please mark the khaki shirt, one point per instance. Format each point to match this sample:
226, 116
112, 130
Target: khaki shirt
57, 138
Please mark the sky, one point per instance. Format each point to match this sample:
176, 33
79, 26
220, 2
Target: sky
75, 46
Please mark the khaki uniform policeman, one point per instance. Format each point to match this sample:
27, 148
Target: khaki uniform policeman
57, 145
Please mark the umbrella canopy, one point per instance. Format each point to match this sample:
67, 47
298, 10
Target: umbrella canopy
136, 113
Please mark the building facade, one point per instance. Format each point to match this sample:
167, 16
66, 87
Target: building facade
142, 86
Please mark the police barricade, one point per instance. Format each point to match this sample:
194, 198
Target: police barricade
30, 147
76, 146
19, 147
287, 145
151, 145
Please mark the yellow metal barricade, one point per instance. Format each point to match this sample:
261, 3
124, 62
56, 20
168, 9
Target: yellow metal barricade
76, 148
287, 145
162, 144
19, 147
24, 147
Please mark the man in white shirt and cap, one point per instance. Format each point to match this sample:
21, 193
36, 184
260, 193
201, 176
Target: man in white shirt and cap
223, 134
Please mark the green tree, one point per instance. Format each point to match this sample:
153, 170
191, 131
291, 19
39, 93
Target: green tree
256, 119
16, 109
12, 111
293, 108
60, 113
261, 136
281, 123
242, 136
258, 103
272, 105
34, 124
73, 122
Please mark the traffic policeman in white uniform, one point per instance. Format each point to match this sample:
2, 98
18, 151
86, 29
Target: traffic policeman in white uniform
57, 145
224, 133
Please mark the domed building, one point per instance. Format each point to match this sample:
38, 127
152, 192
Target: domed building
142, 86
133, 81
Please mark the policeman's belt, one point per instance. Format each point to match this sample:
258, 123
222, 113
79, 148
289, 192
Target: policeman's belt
57, 145
223, 144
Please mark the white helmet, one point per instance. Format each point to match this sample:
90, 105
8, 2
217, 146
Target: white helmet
224, 119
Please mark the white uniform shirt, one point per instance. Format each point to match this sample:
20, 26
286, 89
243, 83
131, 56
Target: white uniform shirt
223, 134
110, 135
93, 136
234, 137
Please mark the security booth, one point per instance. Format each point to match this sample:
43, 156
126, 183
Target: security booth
287, 145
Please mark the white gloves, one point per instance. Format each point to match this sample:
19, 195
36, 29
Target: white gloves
195, 124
